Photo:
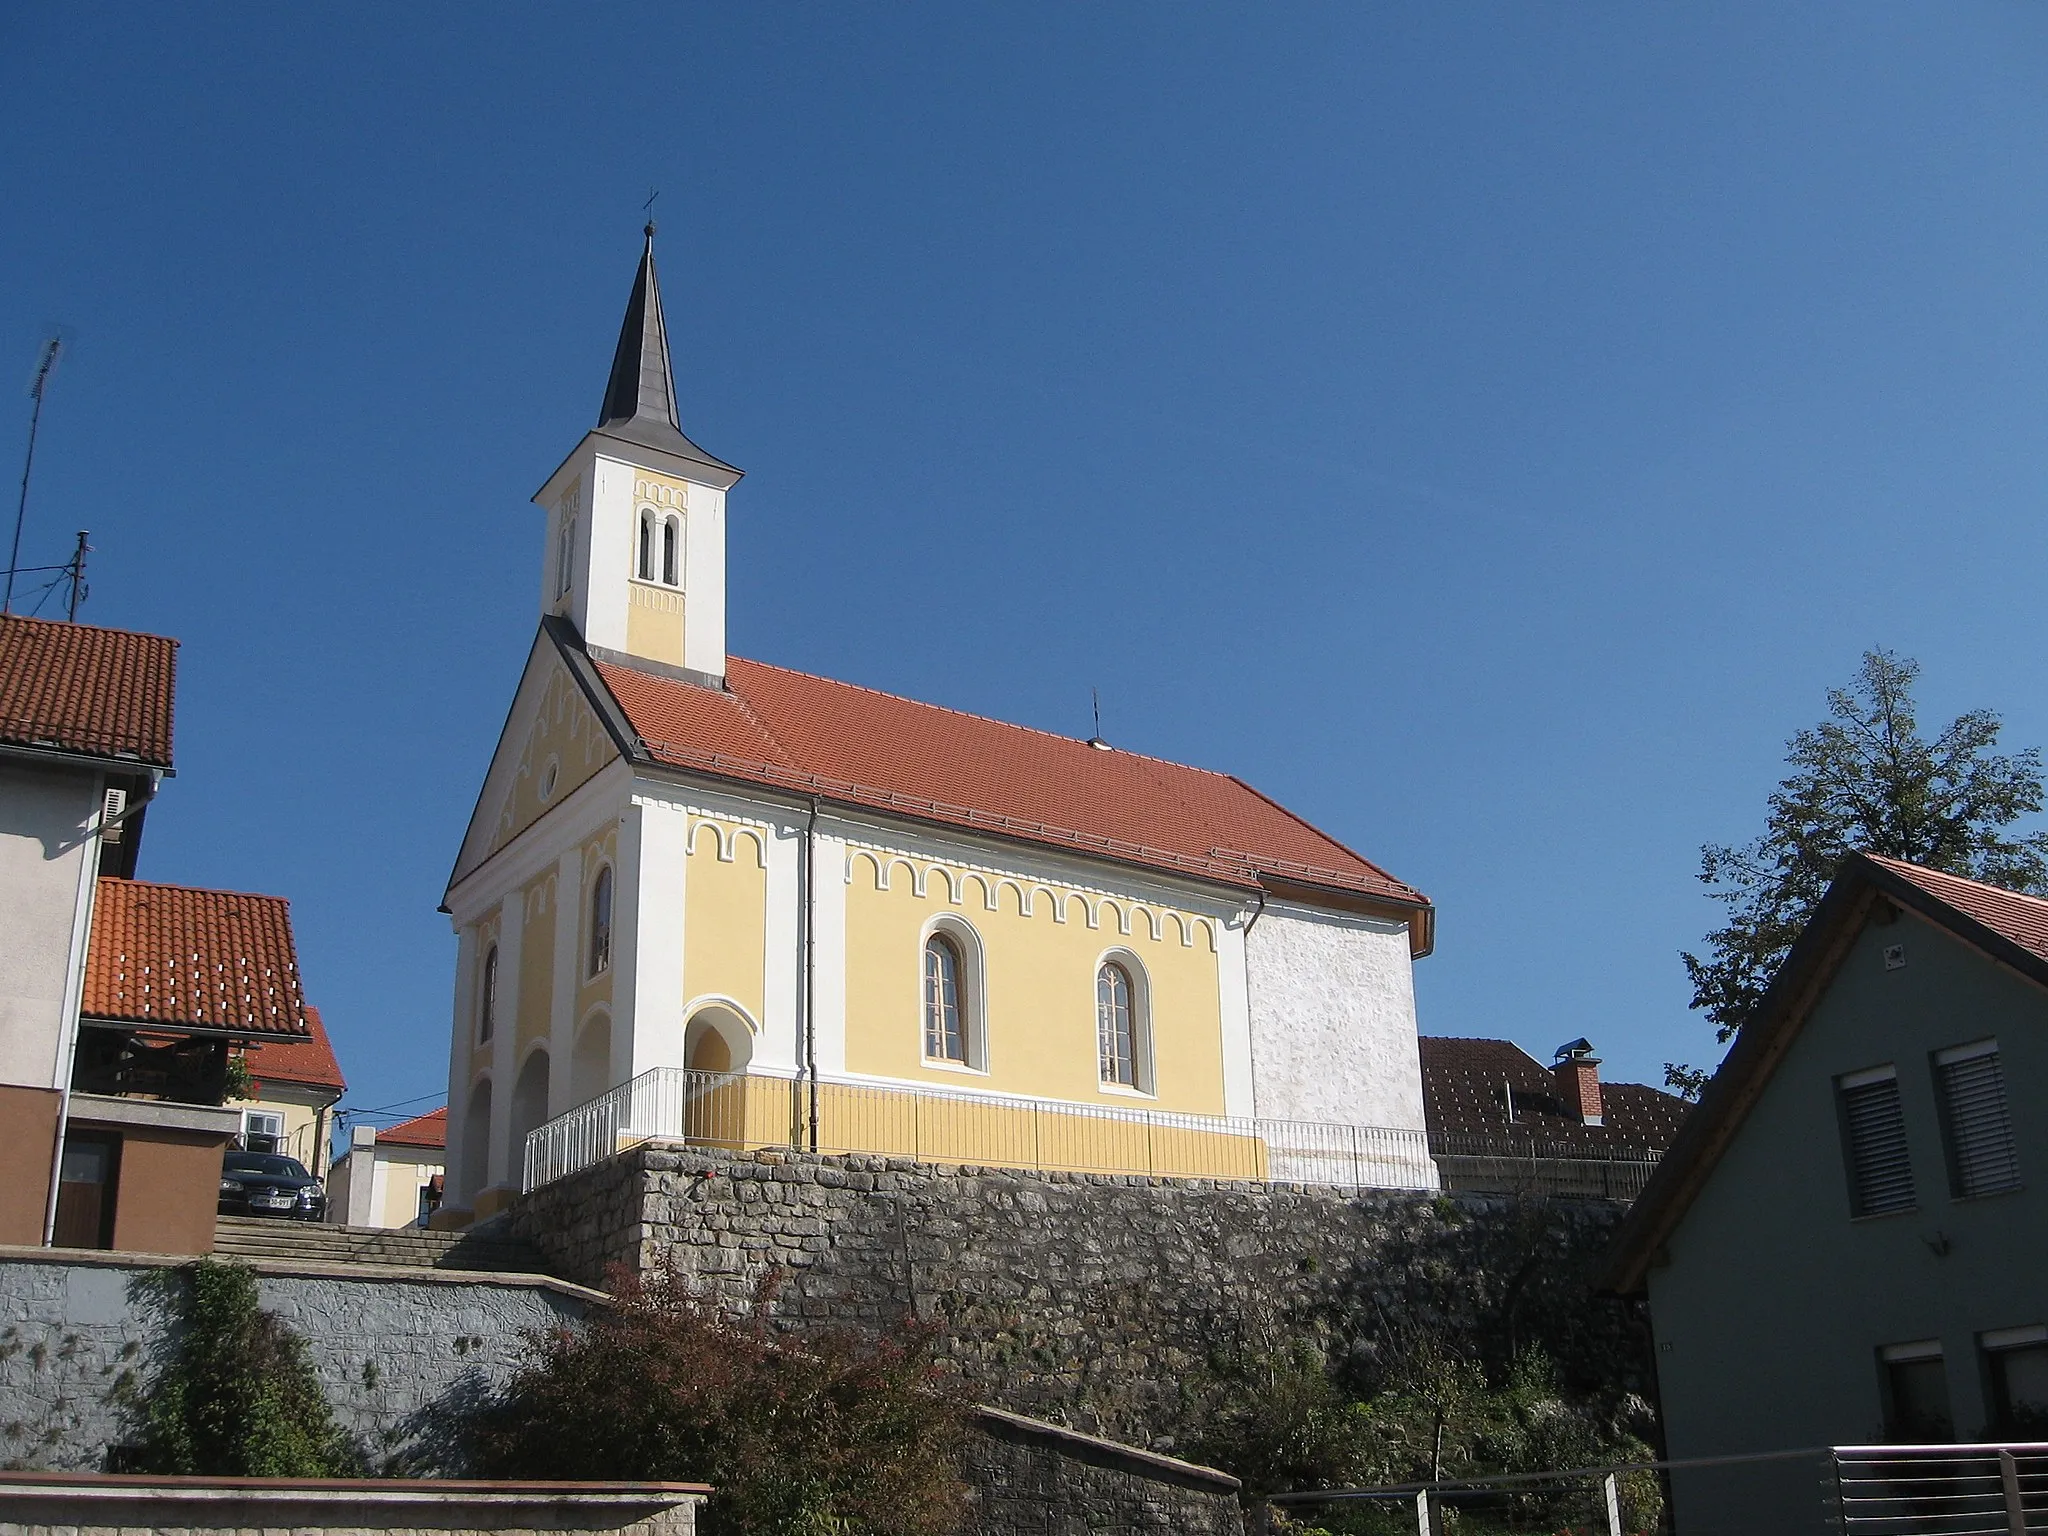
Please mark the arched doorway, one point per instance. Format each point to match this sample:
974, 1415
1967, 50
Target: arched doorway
590, 1064
476, 1142
717, 1039
529, 1111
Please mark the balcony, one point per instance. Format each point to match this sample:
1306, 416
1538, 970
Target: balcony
740, 1113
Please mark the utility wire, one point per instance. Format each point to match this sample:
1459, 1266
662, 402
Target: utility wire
49, 360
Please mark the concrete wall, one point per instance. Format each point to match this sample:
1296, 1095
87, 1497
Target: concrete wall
1095, 1299
28, 1142
386, 1344
168, 1190
1332, 1019
46, 814
1775, 1300
42, 1505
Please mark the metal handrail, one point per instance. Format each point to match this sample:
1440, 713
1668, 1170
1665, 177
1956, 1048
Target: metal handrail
748, 1112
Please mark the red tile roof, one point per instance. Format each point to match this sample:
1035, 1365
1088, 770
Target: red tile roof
791, 730
428, 1130
215, 960
1462, 1095
308, 1063
100, 692
2022, 919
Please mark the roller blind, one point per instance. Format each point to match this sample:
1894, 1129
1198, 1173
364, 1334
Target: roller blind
1981, 1157
1874, 1131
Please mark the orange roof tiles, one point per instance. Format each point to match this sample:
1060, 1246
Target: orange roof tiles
791, 730
309, 1063
173, 955
428, 1130
2022, 919
75, 688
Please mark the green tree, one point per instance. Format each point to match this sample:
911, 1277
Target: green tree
238, 1397
1863, 780
830, 1433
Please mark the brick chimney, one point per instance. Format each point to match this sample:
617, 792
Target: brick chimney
1577, 1076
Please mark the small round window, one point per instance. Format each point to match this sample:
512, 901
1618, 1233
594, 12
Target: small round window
547, 780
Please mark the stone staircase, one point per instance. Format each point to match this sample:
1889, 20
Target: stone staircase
254, 1237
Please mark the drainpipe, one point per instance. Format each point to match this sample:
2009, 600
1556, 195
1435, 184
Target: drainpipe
810, 969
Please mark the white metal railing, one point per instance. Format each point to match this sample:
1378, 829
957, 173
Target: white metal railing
743, 1112
1943, 1490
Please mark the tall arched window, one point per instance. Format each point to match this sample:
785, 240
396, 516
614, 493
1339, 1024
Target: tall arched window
565, 550
945, 1023
487, 1008
645, 569
601, 923
671, 551
1116, 1025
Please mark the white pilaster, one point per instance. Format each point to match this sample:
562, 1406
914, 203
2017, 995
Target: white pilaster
648, 990
1236, 1020
778, 1050
704, 581
828, 960
461, 1045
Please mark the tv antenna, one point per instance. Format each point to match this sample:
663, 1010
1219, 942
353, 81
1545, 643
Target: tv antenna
1096, 741
43, 366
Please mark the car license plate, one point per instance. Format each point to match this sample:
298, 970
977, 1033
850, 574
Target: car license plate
275, 1202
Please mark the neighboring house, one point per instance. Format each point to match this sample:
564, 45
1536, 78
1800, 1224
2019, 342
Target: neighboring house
297, 1084
119, 1000
392, 1177
907, 929
1846, 1242
1501, 1122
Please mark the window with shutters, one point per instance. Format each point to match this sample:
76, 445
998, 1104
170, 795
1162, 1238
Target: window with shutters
1970, 1084
1874, 1142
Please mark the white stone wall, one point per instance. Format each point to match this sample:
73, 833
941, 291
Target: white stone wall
45, 818
1333, 1019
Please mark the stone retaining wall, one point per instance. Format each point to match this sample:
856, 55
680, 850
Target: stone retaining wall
1034, 1479
1097, 1300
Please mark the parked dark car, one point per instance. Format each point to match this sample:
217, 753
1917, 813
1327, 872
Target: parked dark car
266, 1184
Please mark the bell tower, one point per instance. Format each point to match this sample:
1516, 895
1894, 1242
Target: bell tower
636, 515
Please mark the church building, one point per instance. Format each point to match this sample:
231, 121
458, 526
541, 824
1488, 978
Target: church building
714, 899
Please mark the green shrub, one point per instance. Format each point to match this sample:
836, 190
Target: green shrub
237, 1396
833, 1434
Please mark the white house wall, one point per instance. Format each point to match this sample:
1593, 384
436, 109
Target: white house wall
1332, 1003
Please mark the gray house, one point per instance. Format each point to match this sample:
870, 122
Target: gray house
1848, 1242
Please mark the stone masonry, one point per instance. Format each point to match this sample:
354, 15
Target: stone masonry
1097, 1300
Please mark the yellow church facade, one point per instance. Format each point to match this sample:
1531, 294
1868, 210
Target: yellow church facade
708, 898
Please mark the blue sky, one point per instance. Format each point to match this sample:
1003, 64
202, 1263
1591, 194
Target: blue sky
1488, 429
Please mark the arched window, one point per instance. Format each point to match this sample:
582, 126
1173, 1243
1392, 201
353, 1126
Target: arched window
671, 551
945, 1022
565, 550
645, 569
601, 923
1116, 1025
487, 1009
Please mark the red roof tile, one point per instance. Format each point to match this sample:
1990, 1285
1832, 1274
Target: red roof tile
101, 692
308, 1063
428, 1130
215, 960
791, 730
2022, 919
1462, 1095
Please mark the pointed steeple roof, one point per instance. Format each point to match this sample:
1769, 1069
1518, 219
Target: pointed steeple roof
640, 398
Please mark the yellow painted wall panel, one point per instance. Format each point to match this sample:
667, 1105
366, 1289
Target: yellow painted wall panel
1039, 990
654, 623
725, 914
536, 962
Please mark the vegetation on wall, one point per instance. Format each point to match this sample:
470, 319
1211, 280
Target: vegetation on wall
1282, 1421
236, 1396
1864, 780
841, 1433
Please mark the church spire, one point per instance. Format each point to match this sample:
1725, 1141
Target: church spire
640, 397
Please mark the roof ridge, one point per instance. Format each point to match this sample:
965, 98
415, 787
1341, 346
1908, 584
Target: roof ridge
196, 890
1948, 874
968, 714
97, 629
